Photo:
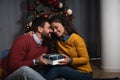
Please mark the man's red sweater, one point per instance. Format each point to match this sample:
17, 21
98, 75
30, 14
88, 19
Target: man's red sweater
22, 53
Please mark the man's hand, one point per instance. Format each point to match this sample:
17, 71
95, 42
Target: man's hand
42, 60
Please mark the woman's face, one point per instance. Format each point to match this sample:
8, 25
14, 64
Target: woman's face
58, 29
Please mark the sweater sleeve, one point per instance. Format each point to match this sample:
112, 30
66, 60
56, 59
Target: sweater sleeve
81, 50
17, 55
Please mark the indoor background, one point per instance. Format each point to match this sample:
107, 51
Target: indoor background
97, 21
13, 15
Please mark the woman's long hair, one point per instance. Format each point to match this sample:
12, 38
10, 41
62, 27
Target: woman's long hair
65, 21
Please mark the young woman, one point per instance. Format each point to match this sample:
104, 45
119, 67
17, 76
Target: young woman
76, 65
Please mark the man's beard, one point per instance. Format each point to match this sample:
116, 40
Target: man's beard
46, 37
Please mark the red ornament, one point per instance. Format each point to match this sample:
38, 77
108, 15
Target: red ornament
54, 1
31, 8
37, 3
56, 5
46, 16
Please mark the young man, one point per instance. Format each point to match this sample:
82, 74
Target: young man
26, 54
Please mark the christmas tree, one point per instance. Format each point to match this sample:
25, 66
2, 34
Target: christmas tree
47, 8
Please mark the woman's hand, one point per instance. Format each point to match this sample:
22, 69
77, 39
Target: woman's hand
66, 61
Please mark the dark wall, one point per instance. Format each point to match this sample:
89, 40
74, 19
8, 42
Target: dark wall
87, 23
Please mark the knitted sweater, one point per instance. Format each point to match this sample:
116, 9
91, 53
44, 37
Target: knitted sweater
23, 50
75, 47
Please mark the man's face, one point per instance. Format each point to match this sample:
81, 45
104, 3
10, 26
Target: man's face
46, 33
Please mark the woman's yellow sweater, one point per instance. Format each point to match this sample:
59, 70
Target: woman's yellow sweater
75, 48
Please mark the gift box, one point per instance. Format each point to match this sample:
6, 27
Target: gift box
53, 59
